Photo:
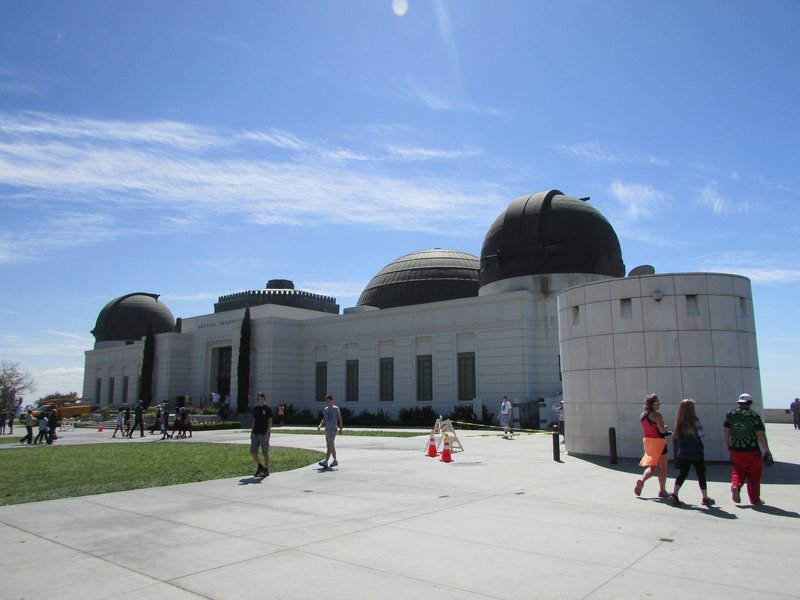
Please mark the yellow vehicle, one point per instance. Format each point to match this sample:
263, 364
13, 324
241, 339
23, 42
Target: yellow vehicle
65, 407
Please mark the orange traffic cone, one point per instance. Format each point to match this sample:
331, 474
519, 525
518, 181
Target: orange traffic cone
432, 447
100, 427
446, 457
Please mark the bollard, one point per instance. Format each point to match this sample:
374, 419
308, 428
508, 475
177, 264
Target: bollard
556, 445
612, 445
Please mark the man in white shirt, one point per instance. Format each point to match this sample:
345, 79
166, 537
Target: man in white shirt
504, 416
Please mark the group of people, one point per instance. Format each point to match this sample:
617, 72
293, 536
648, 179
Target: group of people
262, 428
743, 433
6, 420
46, 425
794, 408
181, 428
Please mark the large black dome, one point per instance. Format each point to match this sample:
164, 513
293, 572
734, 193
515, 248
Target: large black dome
125, 318
546, 233
421, 277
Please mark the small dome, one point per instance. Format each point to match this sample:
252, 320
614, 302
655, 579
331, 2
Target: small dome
125, 318
421, 277
547, 233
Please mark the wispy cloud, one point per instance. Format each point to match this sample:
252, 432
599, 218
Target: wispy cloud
439, 101
708, 196
94, 175
596, 152
430, 153
754, 265
636, 201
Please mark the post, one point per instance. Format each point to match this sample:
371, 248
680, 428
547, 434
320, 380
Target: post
612, 445
556, 445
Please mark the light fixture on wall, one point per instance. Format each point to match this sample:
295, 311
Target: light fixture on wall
658, 295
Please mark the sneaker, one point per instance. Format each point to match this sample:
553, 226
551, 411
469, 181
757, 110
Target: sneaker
334, 463
265, 473
638, 488
736, 496
323, 464
759, 502
708, 501
663, 494
258, 471
672, 500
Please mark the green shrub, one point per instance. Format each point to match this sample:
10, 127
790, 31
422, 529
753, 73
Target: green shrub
216, 425
417, 416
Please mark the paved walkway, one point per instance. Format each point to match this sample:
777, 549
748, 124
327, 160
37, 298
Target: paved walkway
502, 521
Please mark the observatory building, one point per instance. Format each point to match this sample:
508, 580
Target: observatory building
546, 314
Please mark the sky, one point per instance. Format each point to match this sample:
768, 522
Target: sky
195, 148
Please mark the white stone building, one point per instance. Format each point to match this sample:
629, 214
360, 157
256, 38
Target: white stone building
443, 328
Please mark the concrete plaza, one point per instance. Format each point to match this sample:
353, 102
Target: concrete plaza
504, 520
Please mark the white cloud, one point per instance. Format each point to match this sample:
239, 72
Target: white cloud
708, 195
637, 201
596, 152
58, 379
95, 176
753, 265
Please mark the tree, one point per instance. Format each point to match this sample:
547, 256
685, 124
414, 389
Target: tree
243, 366
58, 395
148, 361
13, 380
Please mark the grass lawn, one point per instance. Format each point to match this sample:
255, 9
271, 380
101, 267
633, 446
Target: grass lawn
52, 472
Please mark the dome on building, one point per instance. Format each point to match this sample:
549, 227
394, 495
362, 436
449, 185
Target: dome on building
126, 318
547, 233
421, 277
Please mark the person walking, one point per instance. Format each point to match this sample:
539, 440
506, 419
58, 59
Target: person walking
746, 438
655, 456
794, 407
28, 427
119, 420
165, 423
561, 429
504, 416
2, 423
138, 420
157, 422
259, 435
332, 420
41, 436
126, 421
688, 436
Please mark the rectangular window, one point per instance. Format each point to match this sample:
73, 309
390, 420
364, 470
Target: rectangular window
743, 307
466, 376
98, 388
320, 381
111, 390
351, 380
387, 379
692, 307
425, 378
124, 388
576, 315
625, 308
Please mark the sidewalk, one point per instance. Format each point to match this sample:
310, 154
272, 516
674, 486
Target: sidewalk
502, 521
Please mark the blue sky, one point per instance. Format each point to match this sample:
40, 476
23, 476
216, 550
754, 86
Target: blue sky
197, 148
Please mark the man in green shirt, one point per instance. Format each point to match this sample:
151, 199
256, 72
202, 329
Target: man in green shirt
746, 438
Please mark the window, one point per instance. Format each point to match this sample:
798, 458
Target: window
111, 390
692, 307
124, 388
351, 380
625, 308
576, 315
466, 375
98, 388
387, 379
425, 378
743, 306
320, 381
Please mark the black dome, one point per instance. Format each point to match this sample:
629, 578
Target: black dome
546, 233
421, 277
125, 318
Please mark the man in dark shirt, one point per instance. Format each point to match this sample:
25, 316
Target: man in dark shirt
138, 413
746, 438
259, 434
